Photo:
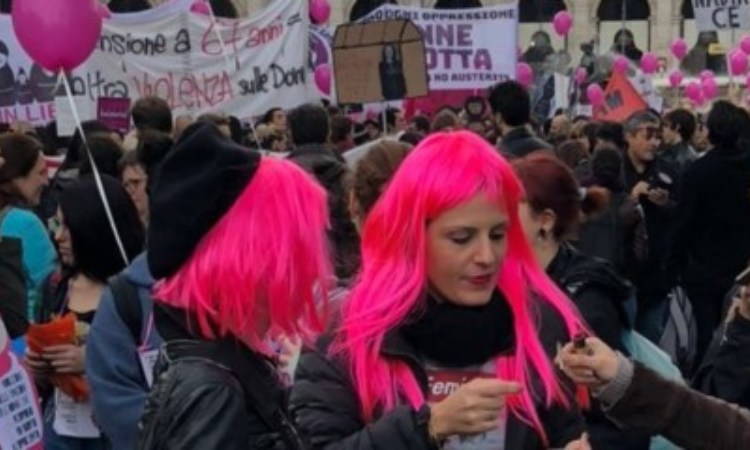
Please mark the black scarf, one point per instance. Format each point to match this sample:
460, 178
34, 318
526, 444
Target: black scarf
460, 336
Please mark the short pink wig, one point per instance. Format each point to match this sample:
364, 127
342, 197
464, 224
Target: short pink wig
442, 172
264, 266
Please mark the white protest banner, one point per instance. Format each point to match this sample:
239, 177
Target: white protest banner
26, 90
465, 48
721, 14
260, 62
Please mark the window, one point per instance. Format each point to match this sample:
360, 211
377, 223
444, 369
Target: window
687, 10
457, 4
612, 10
533, 11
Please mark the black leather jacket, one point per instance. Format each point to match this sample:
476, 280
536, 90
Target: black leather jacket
327, 414
215, 395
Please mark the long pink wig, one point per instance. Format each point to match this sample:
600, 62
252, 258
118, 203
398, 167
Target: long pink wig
264, 265
443, 171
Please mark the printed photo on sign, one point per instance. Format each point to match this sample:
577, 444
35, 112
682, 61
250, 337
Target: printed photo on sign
379, 61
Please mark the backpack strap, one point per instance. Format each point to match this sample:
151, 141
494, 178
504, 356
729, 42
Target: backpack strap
127, 305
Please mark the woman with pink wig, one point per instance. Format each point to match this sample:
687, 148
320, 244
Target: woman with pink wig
238, 244
438, 344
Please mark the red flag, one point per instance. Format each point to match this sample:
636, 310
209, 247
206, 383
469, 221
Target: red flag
620, 100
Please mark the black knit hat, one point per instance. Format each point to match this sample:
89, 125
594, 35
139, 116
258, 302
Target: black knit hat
197, 183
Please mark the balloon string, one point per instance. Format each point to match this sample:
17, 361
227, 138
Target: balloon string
95, 170
215, 23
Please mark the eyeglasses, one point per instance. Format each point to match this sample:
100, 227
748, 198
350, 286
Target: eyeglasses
651, 132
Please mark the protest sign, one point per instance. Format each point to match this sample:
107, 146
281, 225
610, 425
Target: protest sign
114, 112
259, 62
20, 412
621, 100
465, 48
721, 14
379, 61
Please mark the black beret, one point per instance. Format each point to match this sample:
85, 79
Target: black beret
195, 185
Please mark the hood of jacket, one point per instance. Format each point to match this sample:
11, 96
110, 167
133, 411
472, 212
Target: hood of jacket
138, 272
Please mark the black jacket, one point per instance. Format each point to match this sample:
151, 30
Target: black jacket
329, 168
618, 235
519, 142
326, 409
712, 236
725, 369
600, 294
597, 290
212, 395
679, 155
655, 277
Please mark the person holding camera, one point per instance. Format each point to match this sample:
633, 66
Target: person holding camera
652, 182
637, 398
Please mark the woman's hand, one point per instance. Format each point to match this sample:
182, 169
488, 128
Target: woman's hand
38, 366
472, 409
592, 366
66, 358
579, 444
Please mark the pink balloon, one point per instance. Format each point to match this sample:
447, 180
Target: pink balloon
524, 74
675, 78
320, 11
621, 64
694, 92
201, 7
595, 94
706, 74
322, 77
679, 48
649, 63
745, 44
737, 62
57, 34
710, 88
581, 75
562, 23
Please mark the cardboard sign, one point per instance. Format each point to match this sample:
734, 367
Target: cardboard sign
621, 100
114, 112
379, 61
713, 15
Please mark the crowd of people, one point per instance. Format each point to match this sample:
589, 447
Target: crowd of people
317, 282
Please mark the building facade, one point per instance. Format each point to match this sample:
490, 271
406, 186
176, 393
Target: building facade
654, 23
